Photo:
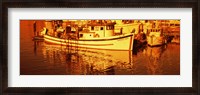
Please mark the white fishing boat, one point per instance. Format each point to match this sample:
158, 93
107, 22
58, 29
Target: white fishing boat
96, 36
155, 37
127, 26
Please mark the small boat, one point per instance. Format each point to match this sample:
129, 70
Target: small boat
155, 37
96, 36
176, 40
127, 26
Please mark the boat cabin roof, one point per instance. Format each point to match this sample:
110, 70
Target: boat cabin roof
101, 24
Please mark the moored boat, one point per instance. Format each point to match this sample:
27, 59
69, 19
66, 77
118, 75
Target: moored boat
121, 42
96, 36
155, 37
176, 40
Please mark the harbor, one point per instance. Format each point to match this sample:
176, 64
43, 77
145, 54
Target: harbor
100, 47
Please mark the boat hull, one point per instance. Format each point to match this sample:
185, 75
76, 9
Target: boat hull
155, 41
121, 42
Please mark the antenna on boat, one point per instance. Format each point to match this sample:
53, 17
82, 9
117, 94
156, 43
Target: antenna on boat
34, 28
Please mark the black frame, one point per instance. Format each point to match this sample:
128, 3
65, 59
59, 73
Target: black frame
194, 90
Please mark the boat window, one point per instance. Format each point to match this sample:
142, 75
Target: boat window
80, 29
110, 27
177, 25
68, 29
171, 24
107, 27
81, 35
101, 28
92, 27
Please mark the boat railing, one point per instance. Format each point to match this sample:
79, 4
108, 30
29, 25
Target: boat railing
72, 47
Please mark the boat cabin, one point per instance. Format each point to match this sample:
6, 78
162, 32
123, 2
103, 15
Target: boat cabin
98, 30
93, 30
87, 35
155, 32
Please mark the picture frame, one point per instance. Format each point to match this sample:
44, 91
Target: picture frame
194, 90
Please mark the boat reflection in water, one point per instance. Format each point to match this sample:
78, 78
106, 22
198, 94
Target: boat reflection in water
61, 60
162, 60
82, 61
154, 55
